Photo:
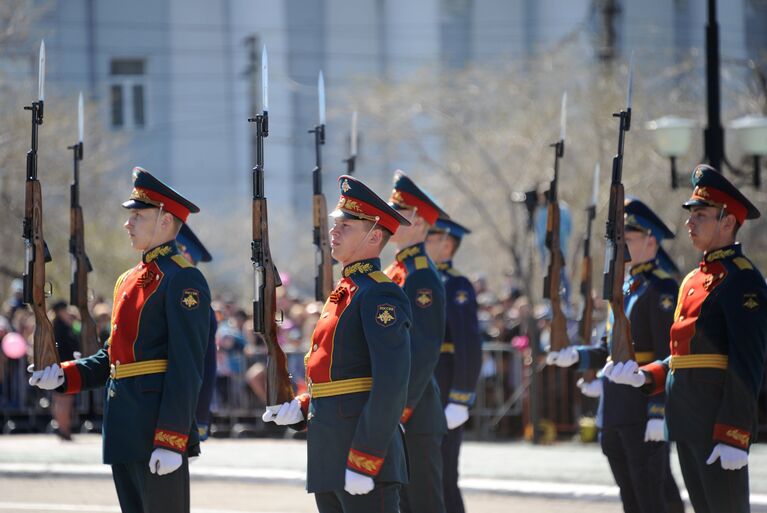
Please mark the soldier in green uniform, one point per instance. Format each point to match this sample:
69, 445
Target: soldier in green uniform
460, 356
152, 364
357, 368
718, 341
423, 417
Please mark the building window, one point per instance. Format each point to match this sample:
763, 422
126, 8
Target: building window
127, 93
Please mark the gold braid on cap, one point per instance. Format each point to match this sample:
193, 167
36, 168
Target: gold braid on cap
353, 208
140, 195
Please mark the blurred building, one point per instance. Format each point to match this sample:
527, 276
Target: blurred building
179, 78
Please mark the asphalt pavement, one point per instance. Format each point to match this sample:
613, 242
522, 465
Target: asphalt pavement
564, 470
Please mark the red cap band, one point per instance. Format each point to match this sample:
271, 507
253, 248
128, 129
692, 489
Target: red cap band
367, 211
423, 209
722, 199
157, 199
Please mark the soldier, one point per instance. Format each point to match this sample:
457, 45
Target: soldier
423, 418
193, 250
460, 355
632, 433
717, 345
152, 364
357, 368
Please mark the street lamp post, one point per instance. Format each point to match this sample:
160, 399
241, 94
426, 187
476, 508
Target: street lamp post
752, 137
673, 134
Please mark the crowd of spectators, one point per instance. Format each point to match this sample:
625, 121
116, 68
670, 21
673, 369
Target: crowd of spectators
506, 319
240, 388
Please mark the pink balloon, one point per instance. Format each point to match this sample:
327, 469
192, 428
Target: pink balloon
14, 346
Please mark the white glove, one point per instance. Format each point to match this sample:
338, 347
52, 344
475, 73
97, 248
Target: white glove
357, 484
655, 431
456, 414
49, 378
284, 415
164, 462
564, 358
730, 457
627, 373
591, 388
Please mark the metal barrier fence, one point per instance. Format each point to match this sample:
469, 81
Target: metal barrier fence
502, 409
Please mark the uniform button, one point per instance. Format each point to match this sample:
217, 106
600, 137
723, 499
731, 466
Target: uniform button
676, 343
114, 327
315, 347
325, 314
705, 269
352, 288
125, 295
721, 275
681, 317
691, 292
112, 393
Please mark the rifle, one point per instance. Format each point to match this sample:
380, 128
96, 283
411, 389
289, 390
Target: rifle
81, 264
323, 281
36, 250
265, 276
551, 282
616, 251
587, 316
352, 160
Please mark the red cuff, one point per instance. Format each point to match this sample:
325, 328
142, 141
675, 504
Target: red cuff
72, 381
364, 463
304, 399
732, 435
406, 415
658, 372
170, 440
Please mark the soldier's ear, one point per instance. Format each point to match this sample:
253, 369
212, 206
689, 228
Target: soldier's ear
168, 221
376, 235
730, 222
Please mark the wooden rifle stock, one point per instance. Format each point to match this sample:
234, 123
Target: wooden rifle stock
324, 277
621, 342
552, 282
44, 345
78, 292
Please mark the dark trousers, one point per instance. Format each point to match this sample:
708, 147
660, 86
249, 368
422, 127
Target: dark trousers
712, 489
424, 492
384, 498
451, 447
641, 470
140, 491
